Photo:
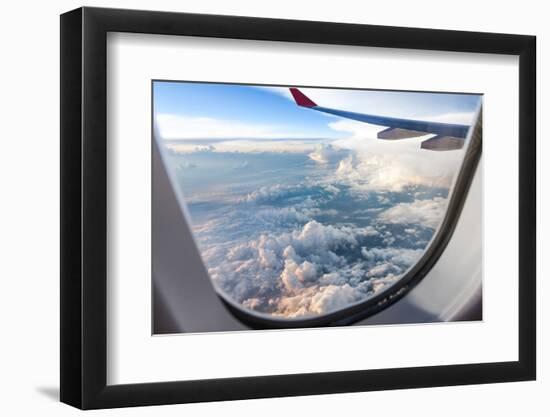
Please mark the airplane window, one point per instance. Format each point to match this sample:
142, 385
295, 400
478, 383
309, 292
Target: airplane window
308, 201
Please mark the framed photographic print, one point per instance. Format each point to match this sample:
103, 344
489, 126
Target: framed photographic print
258, 207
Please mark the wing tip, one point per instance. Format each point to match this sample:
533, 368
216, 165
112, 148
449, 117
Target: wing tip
301, 99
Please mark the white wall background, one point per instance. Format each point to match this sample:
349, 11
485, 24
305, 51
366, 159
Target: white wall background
29, 208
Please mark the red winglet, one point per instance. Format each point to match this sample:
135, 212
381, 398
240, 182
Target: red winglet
301, 99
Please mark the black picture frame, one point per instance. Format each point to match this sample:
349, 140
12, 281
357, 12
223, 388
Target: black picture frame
84, 207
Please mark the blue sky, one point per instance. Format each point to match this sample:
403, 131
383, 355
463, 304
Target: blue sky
187, 109
238, 103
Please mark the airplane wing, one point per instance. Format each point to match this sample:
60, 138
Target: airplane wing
448, 136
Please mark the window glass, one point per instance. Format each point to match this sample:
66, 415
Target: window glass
305, 201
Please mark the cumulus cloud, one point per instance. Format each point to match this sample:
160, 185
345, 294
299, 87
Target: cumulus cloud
333, 297
368, 168
294, 275
303, 196
274, 192
326, 153
313, 269
428, 213
377, 164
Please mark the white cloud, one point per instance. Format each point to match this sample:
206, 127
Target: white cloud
325, 153
398, 257
295, 275
333, 297
385, 165
381, 269
178, 127
274, 192
427, 213
362, 137
204, 148
249, 145
300, 273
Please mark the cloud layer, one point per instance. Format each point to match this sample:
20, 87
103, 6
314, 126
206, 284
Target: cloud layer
295, 228
314, 269
286, 250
